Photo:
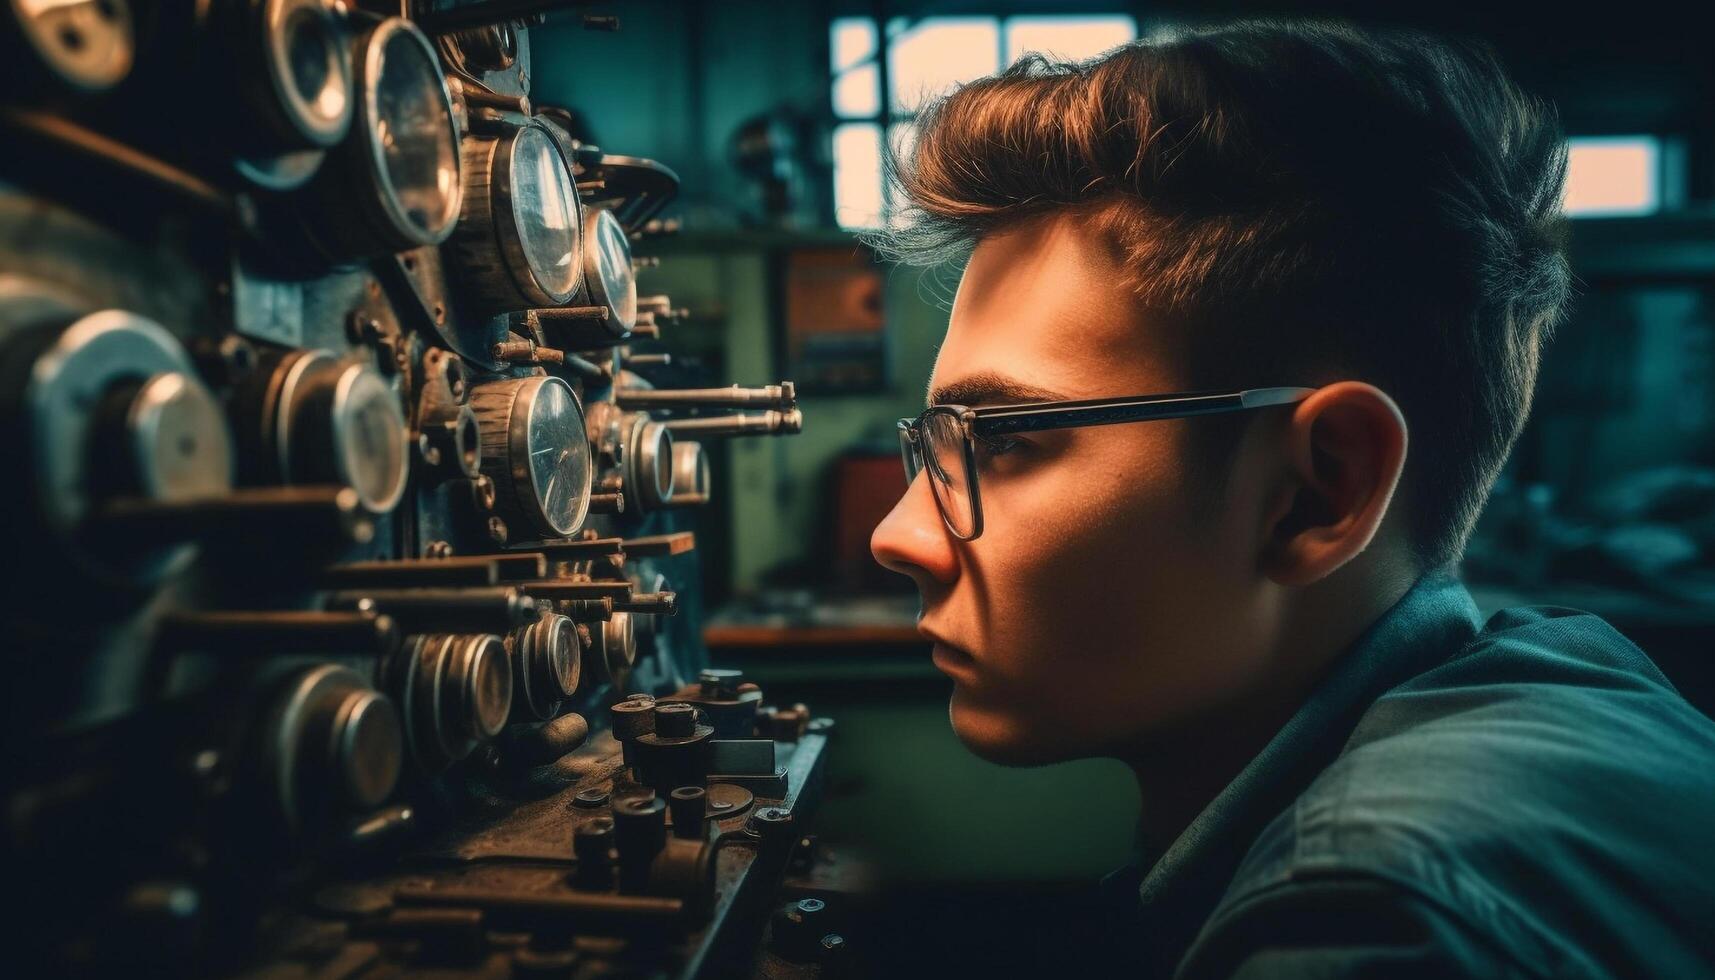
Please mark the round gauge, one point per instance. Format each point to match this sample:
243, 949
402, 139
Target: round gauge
369, 432
607, 269
454, 692
535, 450
396, 182
649, 462
546, 661
308, 70
88, 45
545, 212
520, 239
334, 421
411, 131
332, 744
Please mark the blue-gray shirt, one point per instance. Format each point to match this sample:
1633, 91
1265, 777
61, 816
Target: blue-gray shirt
1529, 797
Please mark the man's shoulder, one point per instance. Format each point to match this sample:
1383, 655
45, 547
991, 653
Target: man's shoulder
1544, 778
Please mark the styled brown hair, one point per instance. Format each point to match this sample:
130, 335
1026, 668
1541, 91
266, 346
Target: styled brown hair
1310, 201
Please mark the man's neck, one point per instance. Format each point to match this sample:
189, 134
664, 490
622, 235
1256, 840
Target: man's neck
1180, 772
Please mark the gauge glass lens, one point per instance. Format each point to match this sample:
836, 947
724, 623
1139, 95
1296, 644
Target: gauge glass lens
311, 57
371, 428
415, 133
613, 265
545, 210
559, 456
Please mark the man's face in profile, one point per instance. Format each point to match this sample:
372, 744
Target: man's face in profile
1108, 599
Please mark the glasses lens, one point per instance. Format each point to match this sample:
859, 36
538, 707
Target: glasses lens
944, 455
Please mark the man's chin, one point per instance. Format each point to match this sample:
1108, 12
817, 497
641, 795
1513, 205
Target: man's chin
1001, 739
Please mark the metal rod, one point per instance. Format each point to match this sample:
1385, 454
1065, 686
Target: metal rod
782, 396
618, 590
413, 572
770, 423
277, 511
491, 609
290, 631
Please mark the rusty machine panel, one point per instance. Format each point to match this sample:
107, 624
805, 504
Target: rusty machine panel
349, 537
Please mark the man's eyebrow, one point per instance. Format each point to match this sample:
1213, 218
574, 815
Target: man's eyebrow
989, 388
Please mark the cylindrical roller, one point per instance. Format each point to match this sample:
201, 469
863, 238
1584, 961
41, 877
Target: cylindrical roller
781, 396
312, 418
111, 408
649, 603
613, 647
546, 662
535, 449
649, 464
689, 806
332, 744
498, 608
690, 474
456, 692
769, 423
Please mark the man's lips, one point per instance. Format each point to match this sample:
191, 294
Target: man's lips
950, 659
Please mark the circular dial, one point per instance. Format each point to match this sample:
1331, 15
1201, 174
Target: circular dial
519, 241
546, 662
340, 422
308, 69
649, 463
607, 269
87, 44
369, 432
333, 744
546, 212
407, 138
535, 450
455, 691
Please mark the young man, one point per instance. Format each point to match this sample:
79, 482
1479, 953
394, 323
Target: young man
1350, 238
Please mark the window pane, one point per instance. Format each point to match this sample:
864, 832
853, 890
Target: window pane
857, 175
929, 57
1609, 176
1067, 38
857, 91
851, 40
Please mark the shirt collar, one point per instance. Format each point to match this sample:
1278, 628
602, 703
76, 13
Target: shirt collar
1431, 621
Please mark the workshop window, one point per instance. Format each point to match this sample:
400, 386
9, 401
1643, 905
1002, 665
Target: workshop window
883, 75
1617, 176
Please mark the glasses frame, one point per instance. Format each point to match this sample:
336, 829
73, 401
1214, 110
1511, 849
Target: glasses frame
999, 420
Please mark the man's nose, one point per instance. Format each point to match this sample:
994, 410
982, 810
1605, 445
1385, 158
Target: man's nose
913, 540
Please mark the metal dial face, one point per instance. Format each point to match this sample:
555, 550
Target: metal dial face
369, 431
88, 43
559, 463
412, 132
612, 281
310, 68
545, 212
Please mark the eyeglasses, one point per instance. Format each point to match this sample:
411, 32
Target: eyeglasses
943, 440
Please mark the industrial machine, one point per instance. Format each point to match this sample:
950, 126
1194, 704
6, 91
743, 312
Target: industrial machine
351, 610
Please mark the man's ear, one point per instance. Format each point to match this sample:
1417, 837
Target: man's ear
1346, 448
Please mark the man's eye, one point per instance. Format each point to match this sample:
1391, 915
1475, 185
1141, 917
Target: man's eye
988, 447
